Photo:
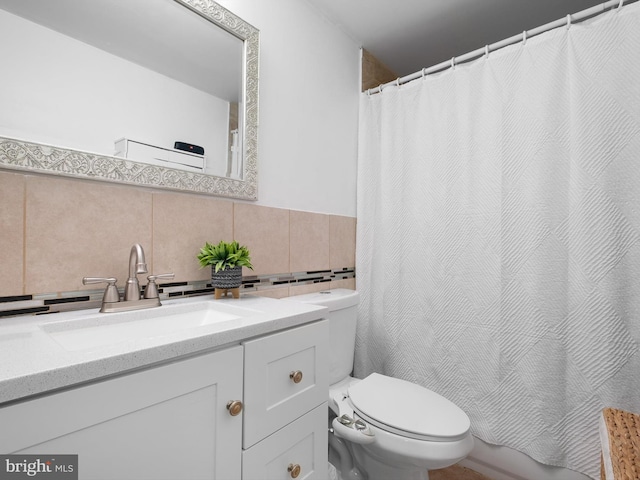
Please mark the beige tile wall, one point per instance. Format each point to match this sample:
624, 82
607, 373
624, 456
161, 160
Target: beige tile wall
54, 231
12, 193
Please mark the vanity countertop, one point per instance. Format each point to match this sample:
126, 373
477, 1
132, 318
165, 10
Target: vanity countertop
33, 360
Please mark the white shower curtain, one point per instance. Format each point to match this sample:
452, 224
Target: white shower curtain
498, 245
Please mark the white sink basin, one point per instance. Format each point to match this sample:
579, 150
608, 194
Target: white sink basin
103, 329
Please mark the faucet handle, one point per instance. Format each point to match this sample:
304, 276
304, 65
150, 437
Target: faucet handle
111, 294
151, 290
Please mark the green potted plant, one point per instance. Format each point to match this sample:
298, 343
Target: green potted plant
226, 260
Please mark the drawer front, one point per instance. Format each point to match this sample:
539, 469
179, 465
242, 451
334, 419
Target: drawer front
272, 398
301, 444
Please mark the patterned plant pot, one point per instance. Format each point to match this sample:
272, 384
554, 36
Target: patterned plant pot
228, 278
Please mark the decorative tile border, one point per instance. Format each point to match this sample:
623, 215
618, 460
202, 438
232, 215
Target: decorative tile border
60, 302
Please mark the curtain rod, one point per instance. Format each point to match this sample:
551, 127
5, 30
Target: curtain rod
576, 17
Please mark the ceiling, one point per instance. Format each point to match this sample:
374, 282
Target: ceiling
409, 35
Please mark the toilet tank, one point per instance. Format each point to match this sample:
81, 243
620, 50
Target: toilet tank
343, 317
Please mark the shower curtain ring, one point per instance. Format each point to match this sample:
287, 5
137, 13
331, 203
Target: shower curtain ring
453, 63
620, 4
486, 51
424, 73
568, 21
398, 82
524, 37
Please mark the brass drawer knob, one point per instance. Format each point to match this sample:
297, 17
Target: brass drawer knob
294, 470
234, 407
296, 377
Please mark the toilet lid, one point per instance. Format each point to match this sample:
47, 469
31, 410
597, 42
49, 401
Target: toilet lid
408, 409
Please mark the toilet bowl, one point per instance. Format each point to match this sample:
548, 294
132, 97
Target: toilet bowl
383, 427
404, 427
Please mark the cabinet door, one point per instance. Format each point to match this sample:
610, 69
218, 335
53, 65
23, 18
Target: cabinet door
272, 397
167, 422
301, 444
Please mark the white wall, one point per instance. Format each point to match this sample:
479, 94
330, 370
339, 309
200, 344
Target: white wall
309, 91
57, 90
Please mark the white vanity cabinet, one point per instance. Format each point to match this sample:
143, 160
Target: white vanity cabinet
168, 422
286, 388
299, 450
173, 421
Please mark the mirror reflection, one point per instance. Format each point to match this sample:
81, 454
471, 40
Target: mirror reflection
152, 81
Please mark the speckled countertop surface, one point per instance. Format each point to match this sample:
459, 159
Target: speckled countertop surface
32, 361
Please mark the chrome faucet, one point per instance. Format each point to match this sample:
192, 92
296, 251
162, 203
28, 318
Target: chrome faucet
137, 264
131, 299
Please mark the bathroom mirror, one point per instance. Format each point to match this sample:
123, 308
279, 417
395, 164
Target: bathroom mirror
176, 71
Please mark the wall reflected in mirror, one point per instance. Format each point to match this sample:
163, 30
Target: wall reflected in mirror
124, 78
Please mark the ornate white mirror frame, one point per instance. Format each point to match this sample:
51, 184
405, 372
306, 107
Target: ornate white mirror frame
30, 156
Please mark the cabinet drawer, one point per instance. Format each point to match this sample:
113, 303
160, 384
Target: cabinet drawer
302, 443
272, 399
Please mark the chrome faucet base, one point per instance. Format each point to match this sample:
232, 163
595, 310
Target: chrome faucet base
112, 307
131, 299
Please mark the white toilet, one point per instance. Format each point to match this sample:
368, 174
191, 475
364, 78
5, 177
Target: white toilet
382, 427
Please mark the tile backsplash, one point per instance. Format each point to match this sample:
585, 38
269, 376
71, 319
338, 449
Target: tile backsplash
54, 231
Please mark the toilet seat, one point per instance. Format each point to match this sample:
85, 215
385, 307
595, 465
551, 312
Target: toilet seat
407, 409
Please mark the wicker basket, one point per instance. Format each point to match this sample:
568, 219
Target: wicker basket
622, 431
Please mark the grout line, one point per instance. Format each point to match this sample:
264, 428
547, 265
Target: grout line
24, 234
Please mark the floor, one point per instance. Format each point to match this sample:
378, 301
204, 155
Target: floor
456, 472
